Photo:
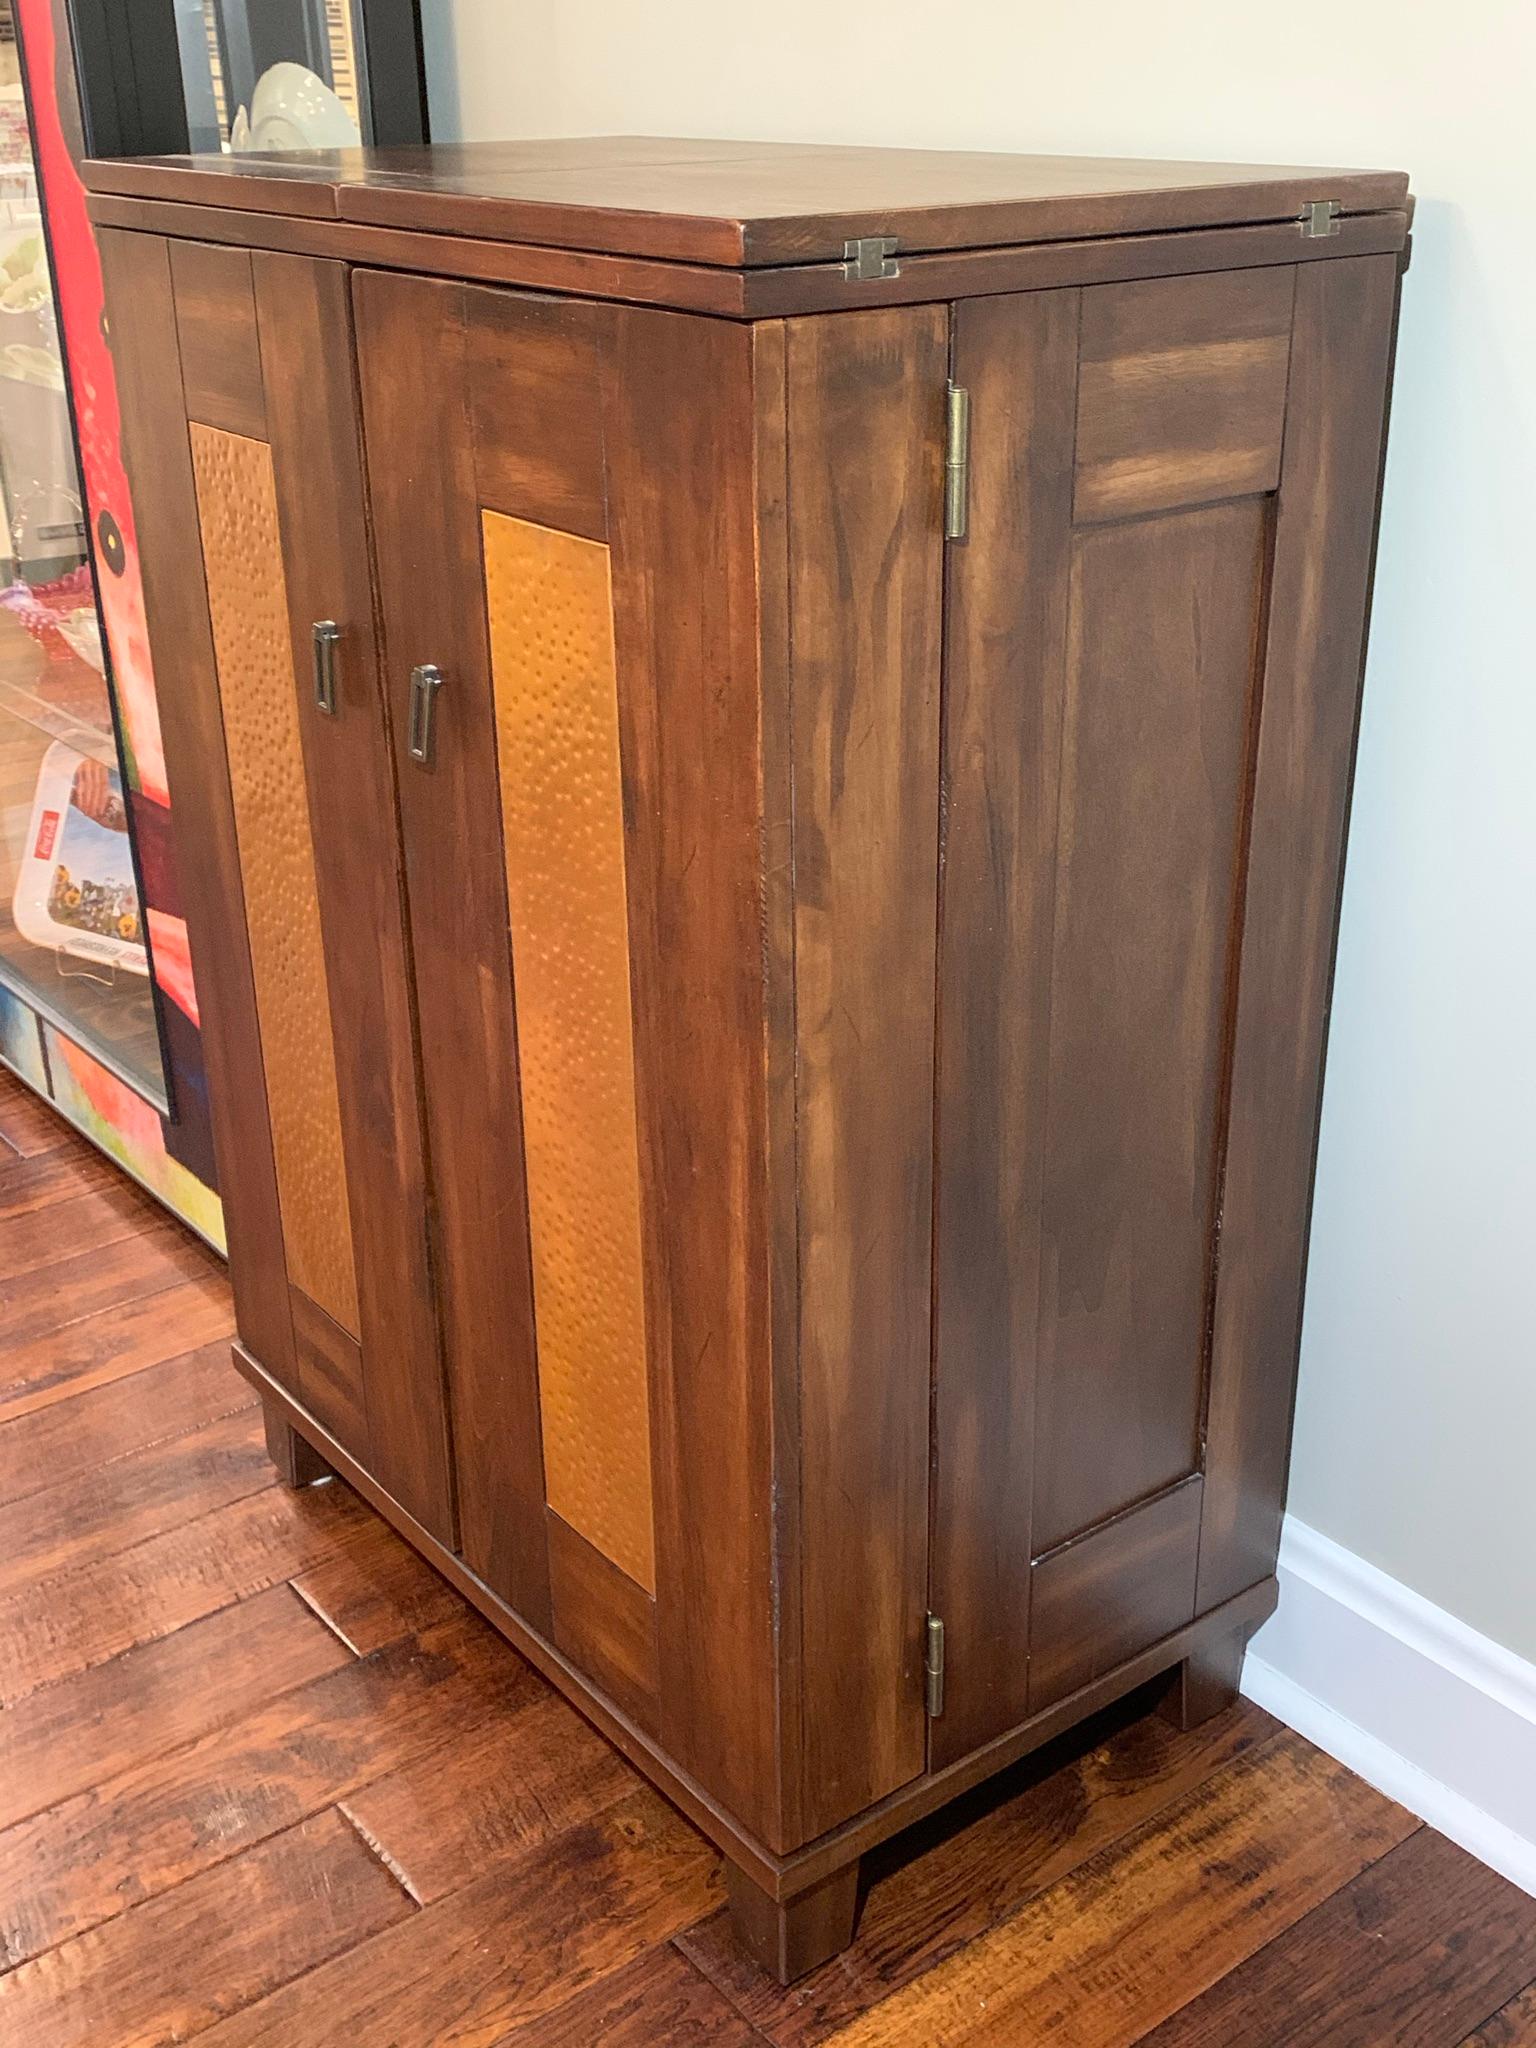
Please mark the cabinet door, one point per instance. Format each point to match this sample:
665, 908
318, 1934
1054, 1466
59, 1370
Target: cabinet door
244, 451
563, 499
1152, 668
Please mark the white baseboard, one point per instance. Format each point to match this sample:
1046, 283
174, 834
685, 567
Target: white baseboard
1424, 1708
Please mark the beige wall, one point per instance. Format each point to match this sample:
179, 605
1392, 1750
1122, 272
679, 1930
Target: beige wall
1416, 1436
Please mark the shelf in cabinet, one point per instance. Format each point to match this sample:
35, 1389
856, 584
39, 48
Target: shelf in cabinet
93, 1021
28, 706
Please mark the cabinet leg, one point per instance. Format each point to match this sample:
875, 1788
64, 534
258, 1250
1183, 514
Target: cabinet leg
1205, 1684
298, 1462
792, 1936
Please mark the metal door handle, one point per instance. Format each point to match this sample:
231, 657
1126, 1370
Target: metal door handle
426, 681
326, 634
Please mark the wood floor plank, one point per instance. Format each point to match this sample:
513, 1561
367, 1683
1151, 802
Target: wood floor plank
74, 1437
513, 1946
157, 1824
28, 1186
500, 1790
268, 1782
1415, 1951
657, 2001
46, 1300
100, 1512
115, 1342
1512, 2026
85, 1730
377, 1590
1151, 1922
28, 1125
94, 1216
946, 1883
82, 1617
171, 1968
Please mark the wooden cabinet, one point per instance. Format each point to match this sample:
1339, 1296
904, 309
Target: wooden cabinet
766, 824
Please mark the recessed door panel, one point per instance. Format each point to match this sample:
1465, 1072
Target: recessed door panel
247, 603
1163, 618
549, 602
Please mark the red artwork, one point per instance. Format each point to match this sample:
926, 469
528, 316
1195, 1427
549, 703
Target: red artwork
109, 508
172, 1154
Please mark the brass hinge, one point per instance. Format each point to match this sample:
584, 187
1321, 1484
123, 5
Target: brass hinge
933, 1667
870, 256
1319, 217
957, 462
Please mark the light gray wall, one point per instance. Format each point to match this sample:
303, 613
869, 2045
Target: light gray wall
1416, 1435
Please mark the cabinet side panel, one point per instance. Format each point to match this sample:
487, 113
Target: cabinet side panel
237, 513
678, 432
1004, 666
302, 318
866, 403
141, 308
1324, 541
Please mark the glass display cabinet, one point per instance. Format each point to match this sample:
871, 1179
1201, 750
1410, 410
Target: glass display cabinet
73, 942
99, 1004
266, 75
281, 76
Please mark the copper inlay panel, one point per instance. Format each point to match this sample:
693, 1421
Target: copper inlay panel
247, 602
557, 732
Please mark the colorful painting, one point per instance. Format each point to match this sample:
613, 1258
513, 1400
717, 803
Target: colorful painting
21, 1044
130, 1130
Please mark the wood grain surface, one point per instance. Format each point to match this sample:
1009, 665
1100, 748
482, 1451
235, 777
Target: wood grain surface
733, 203
389, 1387
1002, 744
865, 438
141, 313
770, 291
1319, 602
426, 538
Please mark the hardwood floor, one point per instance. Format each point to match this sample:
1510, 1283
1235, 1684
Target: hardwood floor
265, 1779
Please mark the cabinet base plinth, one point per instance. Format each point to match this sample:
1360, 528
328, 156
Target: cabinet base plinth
1206, 1683
298, 1462
791, 1937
